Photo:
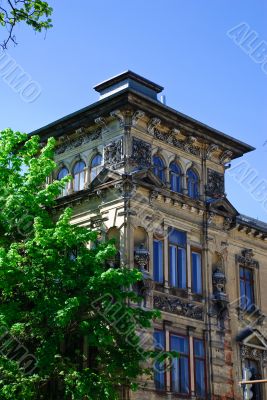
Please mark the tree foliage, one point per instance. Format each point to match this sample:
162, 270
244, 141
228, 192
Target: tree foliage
34, 13
59, 299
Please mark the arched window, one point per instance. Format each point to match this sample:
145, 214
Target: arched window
62, 173
175, 177
79, 176
192, 183
158, 167
96, 166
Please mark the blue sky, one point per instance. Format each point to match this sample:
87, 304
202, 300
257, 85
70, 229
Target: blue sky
181, 44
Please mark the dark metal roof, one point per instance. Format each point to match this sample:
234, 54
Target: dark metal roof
128, 75
251, 222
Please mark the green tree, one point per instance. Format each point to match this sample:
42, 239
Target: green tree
34, 13
62, 307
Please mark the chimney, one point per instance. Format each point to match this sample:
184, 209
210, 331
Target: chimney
128, 80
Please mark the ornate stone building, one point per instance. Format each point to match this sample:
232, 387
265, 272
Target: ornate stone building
153, 178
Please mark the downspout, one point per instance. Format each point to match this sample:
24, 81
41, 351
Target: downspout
208, 272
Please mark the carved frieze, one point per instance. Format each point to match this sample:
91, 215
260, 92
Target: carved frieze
141, 153
246, 259
252, 353
178, 307
69, 144
215, 184
188, 145
113, 153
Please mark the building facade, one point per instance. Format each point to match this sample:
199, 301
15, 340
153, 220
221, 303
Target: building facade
153, 179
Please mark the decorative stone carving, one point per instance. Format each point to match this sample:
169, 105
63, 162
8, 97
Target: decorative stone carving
141, 257
252, 353
141, 153
218, 283
210, 217
119, 116
227, 223
226, 157
179, 307
102, 123
113, 154
215, 184
188, 145
153, 123
246, 259
211, 149
218, 280
136, 116
80, 131
68, 144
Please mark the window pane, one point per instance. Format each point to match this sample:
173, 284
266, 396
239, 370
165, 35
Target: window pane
173, 265
62, 173
158, 260
97, 160
175, 376
184, 375
78, 167
175, 173
96, 166
182, 268
159, 367
192, 183
180, 365
196, 273
199, 348
158, 167
249, 293
246, 288
200, 377
243, 300
248, 274
179, 343
79, 176
177, 237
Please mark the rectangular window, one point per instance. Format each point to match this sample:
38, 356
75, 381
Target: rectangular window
158, 264
180, 366
177, 259
199, 365
246, 289
254, 368
159, 367
196, 266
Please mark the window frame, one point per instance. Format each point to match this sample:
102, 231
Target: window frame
178, 176
199, 252
95, 168
65, 190
205, 366
83, 171
161, 169
195, 195
180, 394
164, 349
161, 240
177, 246
248, 308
